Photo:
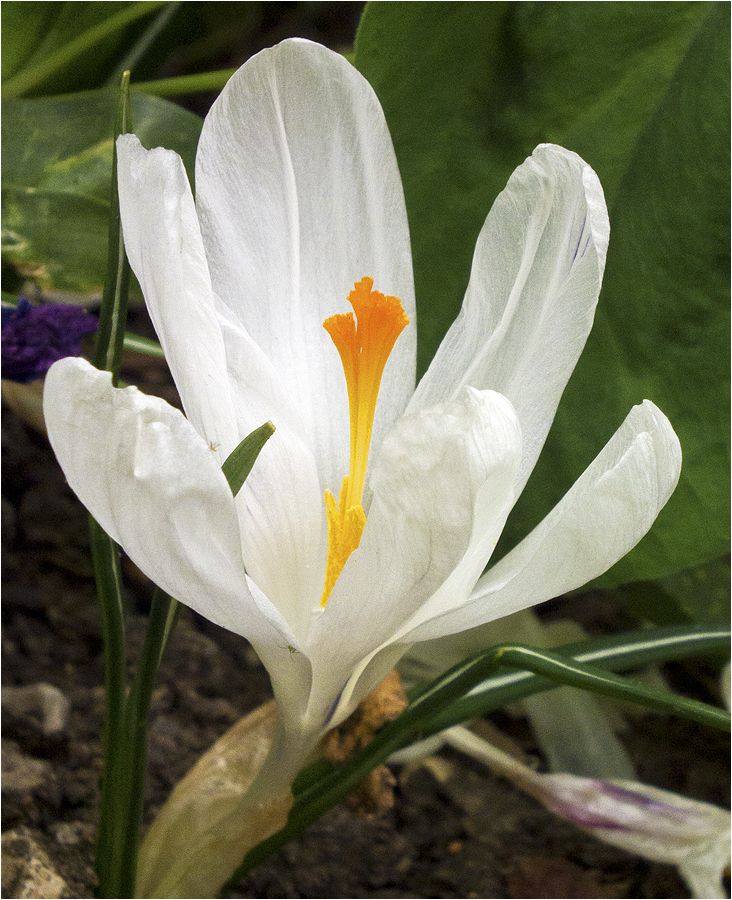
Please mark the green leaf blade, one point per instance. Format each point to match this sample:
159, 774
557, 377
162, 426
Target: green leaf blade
241, 460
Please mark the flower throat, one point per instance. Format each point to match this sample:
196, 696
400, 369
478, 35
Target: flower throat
364, 343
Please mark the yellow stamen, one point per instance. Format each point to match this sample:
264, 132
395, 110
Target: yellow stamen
364, 343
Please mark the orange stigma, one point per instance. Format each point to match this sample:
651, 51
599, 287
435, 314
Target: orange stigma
364, 343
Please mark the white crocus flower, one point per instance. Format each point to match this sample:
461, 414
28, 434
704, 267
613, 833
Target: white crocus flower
299, 204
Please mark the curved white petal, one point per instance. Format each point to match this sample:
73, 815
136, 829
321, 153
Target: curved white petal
164, 247
228, 386
299, 196
603, 516
281, 506
149, 479
531, 299
442, 488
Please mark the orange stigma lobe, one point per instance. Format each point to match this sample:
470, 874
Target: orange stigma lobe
364, 343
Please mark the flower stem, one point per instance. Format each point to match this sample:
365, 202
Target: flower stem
185, 84
125, 735
108, 577
29, 78
618, 653
105, 553
131, 783
146, 40
113, 312
433, 707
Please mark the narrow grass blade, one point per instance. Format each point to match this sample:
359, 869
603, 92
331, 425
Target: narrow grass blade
200, 83
108, 579
136, 343
146, 40
321, 787
163, 610
113, 313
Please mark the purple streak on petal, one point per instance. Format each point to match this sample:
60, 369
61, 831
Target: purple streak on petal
579, 238
35, 337
581, 816
621, 793
333, 706
580, 812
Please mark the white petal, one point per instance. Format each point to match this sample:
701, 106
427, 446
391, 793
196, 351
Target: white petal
281, 506
299, 196
151, 482
228, 385
531, 299
603, 516
164, 247
442, 488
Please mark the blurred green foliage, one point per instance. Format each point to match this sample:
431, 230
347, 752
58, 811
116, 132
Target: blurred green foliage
641, 91
33, 33
698, 594
56, 180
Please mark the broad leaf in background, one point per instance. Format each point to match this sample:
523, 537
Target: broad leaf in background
699, 594
32, 32
57, 160
641, 91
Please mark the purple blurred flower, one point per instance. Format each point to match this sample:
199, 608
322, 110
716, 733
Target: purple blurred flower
34, 337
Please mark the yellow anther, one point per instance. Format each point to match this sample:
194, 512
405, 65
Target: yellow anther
364, 343
345, 527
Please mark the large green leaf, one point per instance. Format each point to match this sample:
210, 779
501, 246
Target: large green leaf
699, 594
641, 91
57, 163
33, 32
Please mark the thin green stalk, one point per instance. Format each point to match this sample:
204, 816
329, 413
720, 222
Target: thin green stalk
128, 781
589, 677
163, 610
240, 461
185, 84
105, 553
139, 344
30, 78
430, 702
618, 653
108, 577
113, 312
